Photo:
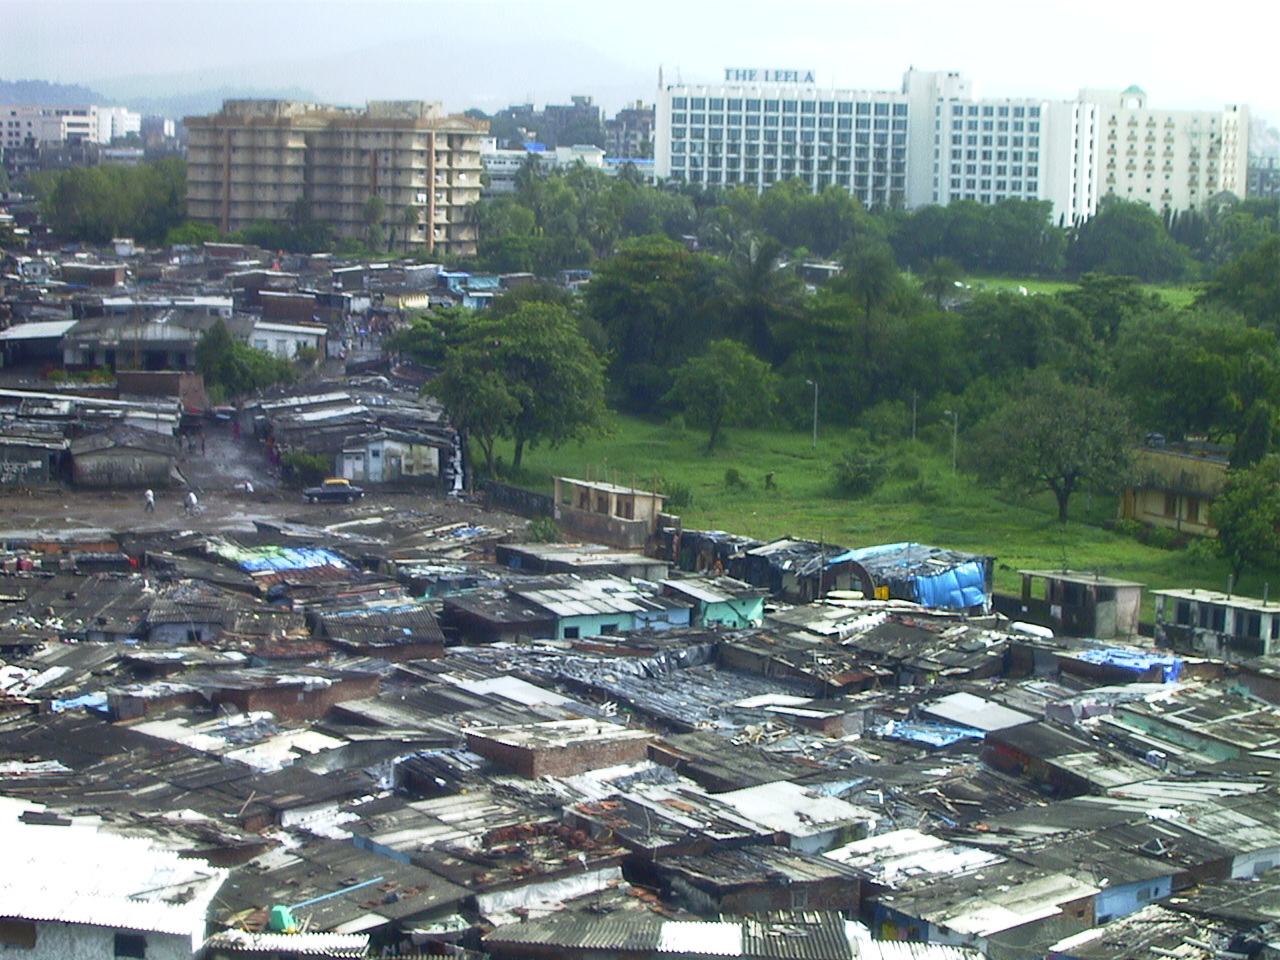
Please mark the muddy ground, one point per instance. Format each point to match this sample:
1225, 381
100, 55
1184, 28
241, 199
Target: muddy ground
214, 473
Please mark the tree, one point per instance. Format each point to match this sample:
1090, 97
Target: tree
529, 376
1247, 515
761, 297
727, 386
940, 278
232, 369
1250, 285
1054, 436
374, 212
651, 301
1195, 372
1127, 238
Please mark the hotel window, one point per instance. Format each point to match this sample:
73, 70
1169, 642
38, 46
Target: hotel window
882, 109
698, 103
753, 105
844, 108
864, 110
788, 106
717, 103
826, 106
808, 106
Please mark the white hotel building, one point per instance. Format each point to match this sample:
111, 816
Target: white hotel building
933, 141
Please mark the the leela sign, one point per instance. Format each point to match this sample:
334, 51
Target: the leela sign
737, 75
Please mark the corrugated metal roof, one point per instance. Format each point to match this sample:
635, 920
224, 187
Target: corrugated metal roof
300, 944
696, 936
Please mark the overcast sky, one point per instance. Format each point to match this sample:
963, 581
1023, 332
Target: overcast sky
489, 54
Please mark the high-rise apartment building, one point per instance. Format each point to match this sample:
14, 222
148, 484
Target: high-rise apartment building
629, 135
29, 126
934, 141
753, 132
1168, 159
270, 159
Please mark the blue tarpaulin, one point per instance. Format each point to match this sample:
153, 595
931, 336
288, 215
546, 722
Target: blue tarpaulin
1134, 660
932, 576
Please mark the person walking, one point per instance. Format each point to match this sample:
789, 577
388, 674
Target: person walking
192, 503
149, 501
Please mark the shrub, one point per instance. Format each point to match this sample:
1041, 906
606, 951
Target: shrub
858, 473
1162, 538
678, 495
733, 479
1204, 549
542, 530
1129, 528
922, 491
301, 468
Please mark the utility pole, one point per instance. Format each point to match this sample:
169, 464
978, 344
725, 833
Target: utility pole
955, 436
814, 384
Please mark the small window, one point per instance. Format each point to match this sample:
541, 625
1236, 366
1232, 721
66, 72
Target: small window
571, 633
131, 945
609, 629
17, 933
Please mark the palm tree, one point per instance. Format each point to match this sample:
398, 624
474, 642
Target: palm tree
761, 296
940, 277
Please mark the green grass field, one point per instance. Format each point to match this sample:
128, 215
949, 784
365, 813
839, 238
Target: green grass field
1176, 295
920, 501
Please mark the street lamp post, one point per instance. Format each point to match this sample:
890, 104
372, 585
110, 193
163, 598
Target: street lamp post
814, 384
955, 435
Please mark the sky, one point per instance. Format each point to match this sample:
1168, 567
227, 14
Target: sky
488, 54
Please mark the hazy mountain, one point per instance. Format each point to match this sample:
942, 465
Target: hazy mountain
41, 93
479, 72
199, 102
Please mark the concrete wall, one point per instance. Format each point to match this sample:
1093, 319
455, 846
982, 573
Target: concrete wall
78, 941
122, 468
559, 761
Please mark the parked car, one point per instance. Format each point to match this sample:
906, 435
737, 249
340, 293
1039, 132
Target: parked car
333, 491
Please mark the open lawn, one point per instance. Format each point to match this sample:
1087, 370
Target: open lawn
1175, 294
784, 488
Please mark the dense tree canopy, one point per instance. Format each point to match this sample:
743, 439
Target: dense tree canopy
724, 387
527, 374
1247, 515
95, 204
1054, 436
232, 369
1128, 239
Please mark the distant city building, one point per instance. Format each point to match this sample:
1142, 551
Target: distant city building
574, 123
26, 126
268, 159
117, 122
934, 141
1264, 178
1168, 159
629, 135
501, 166
554, 125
